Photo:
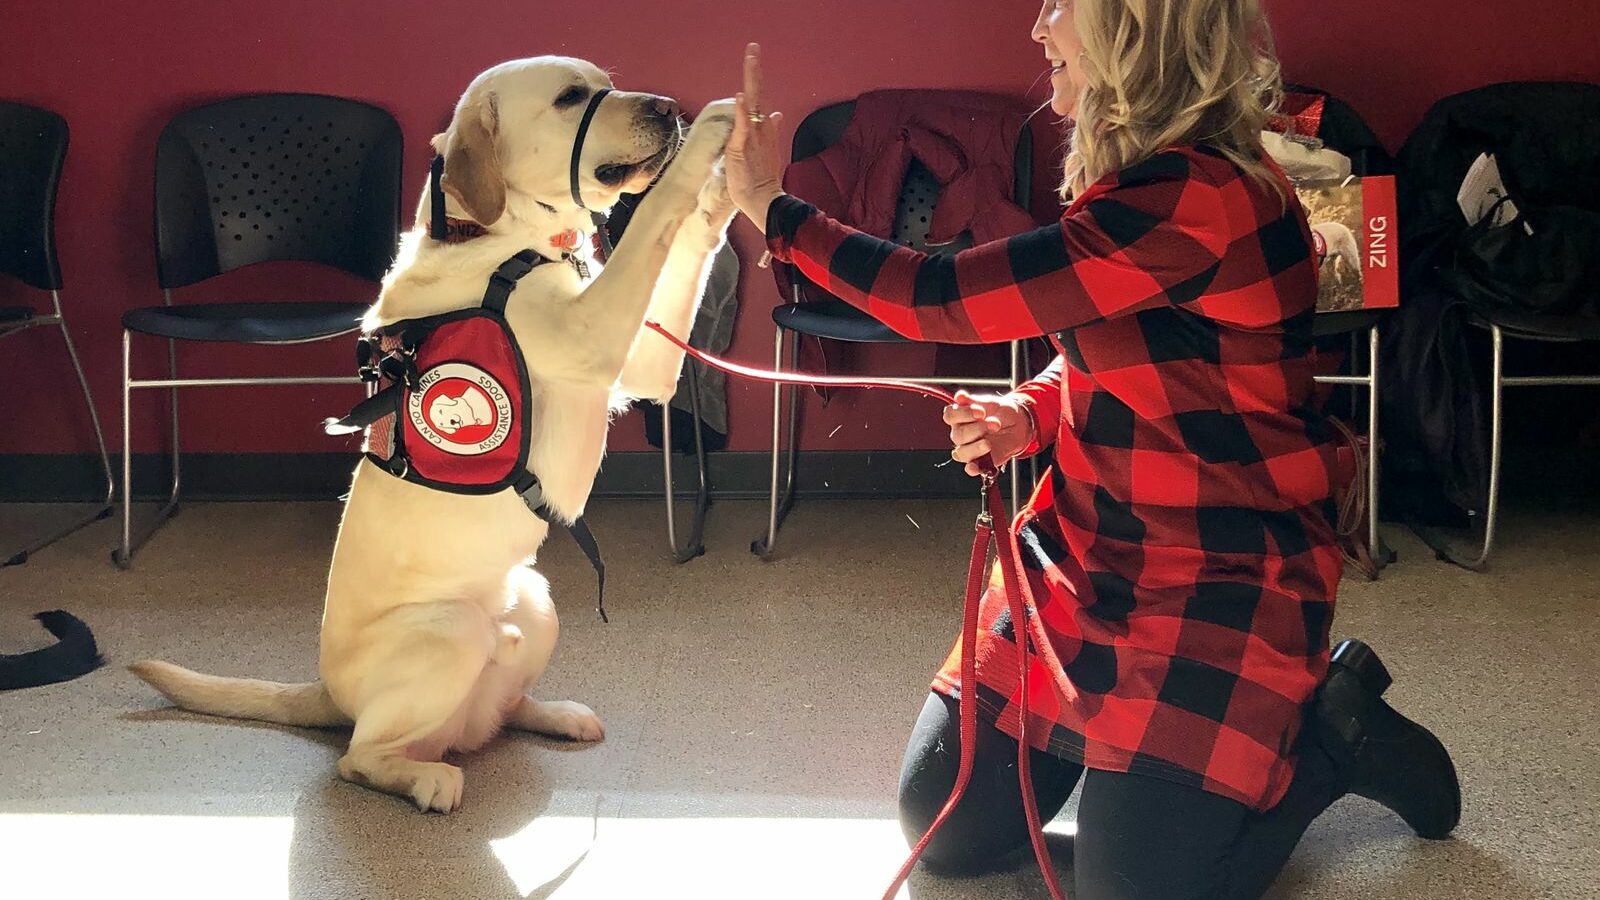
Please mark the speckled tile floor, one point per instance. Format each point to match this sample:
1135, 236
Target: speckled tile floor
756, 714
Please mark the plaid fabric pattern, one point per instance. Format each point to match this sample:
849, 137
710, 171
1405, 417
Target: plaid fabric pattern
1180, 550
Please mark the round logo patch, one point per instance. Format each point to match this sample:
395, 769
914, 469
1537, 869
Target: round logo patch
460, 409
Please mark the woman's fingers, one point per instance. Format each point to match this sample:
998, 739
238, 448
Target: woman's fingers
971, 425
967, 433
971, 452
957, 414
752, 78
741, 127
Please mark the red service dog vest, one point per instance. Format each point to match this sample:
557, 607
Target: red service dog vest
455, 410
458, 417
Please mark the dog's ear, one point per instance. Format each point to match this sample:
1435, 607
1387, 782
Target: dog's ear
472, 172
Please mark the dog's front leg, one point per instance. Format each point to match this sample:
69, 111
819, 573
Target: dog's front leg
653, 366
589, 337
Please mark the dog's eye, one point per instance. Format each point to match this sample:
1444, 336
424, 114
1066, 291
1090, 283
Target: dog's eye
572, 96
613, 175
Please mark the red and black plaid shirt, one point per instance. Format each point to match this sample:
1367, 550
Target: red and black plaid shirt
1181, 550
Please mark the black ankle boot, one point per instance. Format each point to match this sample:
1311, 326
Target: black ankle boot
1385, 756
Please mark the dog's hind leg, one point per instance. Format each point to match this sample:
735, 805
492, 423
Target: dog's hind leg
534, 615
557, 718
413, 698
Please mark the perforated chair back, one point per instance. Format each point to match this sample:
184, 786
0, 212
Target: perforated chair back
33, 146
277, 177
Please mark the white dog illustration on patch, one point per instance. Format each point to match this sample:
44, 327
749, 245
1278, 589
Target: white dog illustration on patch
451, 414
1337, 242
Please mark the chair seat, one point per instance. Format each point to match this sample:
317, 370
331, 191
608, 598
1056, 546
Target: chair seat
247, 323
16, 313
1332, 323
835, 320
1540, 327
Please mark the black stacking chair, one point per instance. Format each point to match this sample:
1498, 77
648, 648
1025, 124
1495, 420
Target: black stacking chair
832, 319
1518, 122
1344, 130
33, 147
256, 179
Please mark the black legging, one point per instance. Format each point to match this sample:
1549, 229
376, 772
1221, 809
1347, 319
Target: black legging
1138, 838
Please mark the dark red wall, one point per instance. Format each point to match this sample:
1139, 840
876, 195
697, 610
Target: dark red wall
119, 71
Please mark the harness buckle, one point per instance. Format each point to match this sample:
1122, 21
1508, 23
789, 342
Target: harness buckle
400, 369
505, 282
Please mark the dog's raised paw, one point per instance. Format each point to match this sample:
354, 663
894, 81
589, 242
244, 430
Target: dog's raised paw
438, 787
714, 201
712, 128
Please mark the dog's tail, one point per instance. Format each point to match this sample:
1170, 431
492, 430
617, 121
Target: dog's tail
306, 705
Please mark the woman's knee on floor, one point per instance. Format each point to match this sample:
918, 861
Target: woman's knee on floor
1145, 838
987, 828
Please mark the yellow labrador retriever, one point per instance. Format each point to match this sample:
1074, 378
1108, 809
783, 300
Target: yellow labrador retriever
435, 628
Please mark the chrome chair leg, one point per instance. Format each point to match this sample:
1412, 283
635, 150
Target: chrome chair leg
1374, 451
1491, 513
1442, 548
696, 546
131, 542
104, 508
780, 505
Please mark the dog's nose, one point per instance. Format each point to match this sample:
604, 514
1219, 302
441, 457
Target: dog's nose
666, 107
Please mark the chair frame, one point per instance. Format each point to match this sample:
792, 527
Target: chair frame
130, 541
104, 507
779, 507
1369, 382
702, 502
780, 504
46, 277
1499, 381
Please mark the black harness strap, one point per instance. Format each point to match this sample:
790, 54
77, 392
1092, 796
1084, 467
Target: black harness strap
504, 280
437, 228
532, 494
591, 548
366, 412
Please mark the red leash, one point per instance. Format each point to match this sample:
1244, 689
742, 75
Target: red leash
1015, 585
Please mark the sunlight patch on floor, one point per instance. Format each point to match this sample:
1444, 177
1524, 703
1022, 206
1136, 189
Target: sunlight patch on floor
89, 855
574, 858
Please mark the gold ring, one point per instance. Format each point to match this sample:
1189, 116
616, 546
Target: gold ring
757, 118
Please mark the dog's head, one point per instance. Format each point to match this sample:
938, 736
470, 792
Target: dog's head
509, 146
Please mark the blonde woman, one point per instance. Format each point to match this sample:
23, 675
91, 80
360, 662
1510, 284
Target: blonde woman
1180, 550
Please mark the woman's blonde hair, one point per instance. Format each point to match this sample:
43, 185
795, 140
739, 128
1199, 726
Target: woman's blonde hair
1161, 73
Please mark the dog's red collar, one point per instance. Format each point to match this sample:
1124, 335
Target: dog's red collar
459, 231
